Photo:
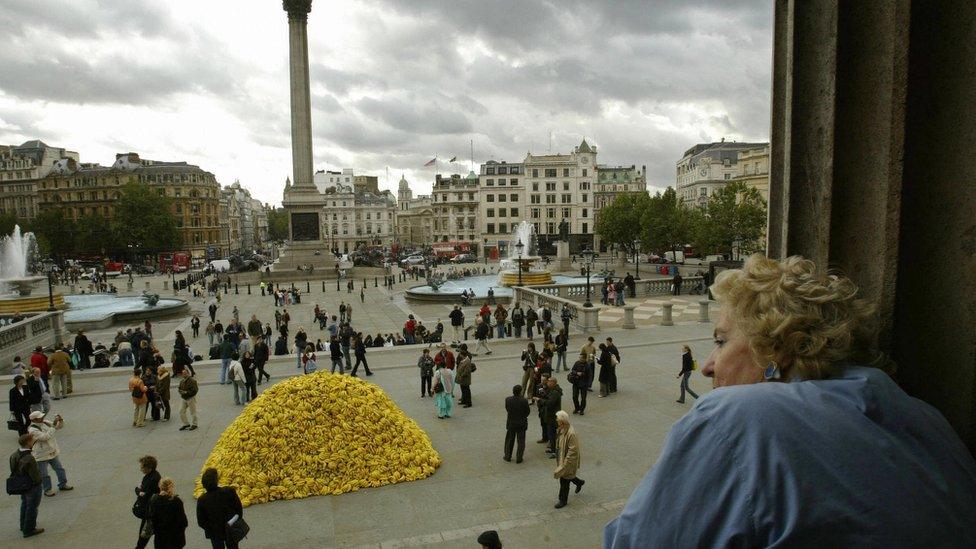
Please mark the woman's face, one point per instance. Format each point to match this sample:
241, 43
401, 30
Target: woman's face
731, 362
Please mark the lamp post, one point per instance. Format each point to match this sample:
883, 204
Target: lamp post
637, 256
519, 248
588, 256
50, 289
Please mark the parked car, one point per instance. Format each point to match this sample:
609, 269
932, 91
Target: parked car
464, 258
412, 260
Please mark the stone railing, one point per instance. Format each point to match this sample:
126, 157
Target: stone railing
643, 287
44, 329
586, 319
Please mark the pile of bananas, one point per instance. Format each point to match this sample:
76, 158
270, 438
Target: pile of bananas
319, 434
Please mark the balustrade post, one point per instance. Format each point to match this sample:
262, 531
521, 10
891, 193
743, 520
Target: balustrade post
703, 310
629, 323
666, 314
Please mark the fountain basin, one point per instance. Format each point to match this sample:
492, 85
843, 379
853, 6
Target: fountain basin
529, 278
12, 304
92, 311
450, 292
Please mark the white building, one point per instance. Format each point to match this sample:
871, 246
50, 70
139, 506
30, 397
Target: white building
414, 218
707, 167
327, 179
455, 201
356, 217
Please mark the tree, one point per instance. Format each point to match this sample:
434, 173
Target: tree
8, 221
735, 217
143, 215
619, 222
93, 235
278, 224
55, 232
667, 224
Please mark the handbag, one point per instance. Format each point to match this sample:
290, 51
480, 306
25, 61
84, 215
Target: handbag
310, 366
18, 484
139, 509
13, 423
237, 530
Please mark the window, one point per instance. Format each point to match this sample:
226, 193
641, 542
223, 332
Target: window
584, 197
501, 181
535, 186
490, 198
550, 185
550, 199
565, 172
550, 172
502, 170
501, 212
551, 213
565, 185
470, 196
536, 228
550, 227
513, 197
513, 212
703, 191
490, 182
513, 181
584, 175
535, 213
566, 213
490, 212
491, 228
502, 197
534, 199
502, 228
490, 170
535, 172
567, 199
585, 228
728, 176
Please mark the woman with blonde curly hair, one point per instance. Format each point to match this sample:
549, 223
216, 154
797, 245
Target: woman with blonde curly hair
805, 440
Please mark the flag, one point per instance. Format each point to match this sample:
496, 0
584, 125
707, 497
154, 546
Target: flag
431, 162
453, 158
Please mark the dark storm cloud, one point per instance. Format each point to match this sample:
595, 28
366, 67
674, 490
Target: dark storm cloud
86, 18
415, 115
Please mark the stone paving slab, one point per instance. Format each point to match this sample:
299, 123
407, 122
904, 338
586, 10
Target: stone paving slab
474, 489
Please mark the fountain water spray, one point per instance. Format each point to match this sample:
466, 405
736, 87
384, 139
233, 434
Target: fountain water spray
16, 252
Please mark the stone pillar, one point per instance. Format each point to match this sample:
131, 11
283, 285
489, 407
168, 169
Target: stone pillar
301, 105
128, 286
666, 314
629, 317
147, 286
870, 174
703, 310
589, 319
165, 284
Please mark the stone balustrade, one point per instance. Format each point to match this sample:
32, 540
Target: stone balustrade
586, 319
44, 329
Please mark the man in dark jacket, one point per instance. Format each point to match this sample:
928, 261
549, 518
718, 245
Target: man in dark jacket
84, 349
22, 463
517, 408
20, 402
215, 508
580, 378
457, 323
213, 312
551, 405
254, 329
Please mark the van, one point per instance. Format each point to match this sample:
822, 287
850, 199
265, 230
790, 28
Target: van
674, 256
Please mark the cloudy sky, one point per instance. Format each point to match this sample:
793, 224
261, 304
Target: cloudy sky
394, 82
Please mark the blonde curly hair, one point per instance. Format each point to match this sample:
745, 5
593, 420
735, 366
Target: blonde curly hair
806, 320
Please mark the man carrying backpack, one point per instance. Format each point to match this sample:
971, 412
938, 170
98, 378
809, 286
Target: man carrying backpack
25, 481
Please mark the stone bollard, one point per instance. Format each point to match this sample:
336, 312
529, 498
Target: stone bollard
128, 286
666, 314
237, 289
323, 286
147, 284
166, 284
703, 310
308, 287
376, 282
629, 317
248, 288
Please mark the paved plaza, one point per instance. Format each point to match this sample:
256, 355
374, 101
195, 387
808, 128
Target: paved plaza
474, 490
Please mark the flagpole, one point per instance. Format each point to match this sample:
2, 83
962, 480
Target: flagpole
472, 155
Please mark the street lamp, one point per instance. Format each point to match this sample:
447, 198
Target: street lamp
588, 256
50, 289
519, 248
637, 256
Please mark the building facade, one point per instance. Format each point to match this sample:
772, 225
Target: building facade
414, 218
504, 184
614, 181
754, 169
707, 167
328, 179
91, 189
20, 169
455, 200
355, 217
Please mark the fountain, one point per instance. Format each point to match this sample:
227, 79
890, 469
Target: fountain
532, 274
16, 285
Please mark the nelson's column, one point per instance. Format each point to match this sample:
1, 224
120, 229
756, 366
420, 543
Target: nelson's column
301, 199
